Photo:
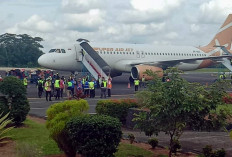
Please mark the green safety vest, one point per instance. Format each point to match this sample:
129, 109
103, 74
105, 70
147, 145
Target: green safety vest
91, 85
69, 84
136, 82
143, 79
83, 81
104, 84
25, 81
47, 85
57, 84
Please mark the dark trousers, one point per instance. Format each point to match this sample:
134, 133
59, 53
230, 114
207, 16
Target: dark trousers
40, 92
109, 92
72, 91
57, 93
86, 92
136, 87
92, 93
61, 92
103, 92
48, 93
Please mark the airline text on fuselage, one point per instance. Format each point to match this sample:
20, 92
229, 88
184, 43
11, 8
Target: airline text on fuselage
113, 49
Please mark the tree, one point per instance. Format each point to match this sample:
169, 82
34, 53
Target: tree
14, 99
177, 104
19, 50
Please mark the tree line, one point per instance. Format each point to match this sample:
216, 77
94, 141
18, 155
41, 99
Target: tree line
19, 50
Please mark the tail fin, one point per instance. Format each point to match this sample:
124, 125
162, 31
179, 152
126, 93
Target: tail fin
224, 35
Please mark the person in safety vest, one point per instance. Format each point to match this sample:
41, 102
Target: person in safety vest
143, 84
103, 87
69, 89
83, 83
40, 84
57, 88
136, 82
109, 86
86, 88
25, 82
92, 88
48, 88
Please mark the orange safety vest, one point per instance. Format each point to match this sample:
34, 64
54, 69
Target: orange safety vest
109, 84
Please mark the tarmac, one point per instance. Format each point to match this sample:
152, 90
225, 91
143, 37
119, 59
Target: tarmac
190, 140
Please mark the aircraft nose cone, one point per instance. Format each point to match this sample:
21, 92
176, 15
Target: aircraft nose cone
42, 60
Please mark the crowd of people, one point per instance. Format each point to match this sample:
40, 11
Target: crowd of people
55, 86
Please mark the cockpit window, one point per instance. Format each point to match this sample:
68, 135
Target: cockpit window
63, 51
58, 51
52, 50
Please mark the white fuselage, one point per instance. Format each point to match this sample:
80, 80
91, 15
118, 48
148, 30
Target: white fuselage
122, 57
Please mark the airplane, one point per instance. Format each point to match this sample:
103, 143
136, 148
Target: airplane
137, 58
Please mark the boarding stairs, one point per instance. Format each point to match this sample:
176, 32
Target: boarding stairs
94, 62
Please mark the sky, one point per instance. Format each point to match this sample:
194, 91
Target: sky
158, 22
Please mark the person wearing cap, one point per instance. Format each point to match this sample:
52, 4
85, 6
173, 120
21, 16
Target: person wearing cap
40, 87
47, 87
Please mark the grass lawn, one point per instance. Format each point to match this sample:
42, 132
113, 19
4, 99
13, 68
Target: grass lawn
36, 134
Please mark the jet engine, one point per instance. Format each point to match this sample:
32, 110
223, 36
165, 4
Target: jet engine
138, 71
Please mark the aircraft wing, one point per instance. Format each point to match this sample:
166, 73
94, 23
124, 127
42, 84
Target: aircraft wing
167, 63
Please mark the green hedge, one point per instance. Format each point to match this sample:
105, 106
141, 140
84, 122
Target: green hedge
57, 117
116, 108
14, 99
95, 135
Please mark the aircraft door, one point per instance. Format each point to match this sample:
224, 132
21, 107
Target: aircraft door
78, 53
137, 54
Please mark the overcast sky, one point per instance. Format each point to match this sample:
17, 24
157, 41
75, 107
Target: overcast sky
160, 22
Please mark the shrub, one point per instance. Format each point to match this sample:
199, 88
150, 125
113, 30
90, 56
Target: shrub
57, 116
228, 98
153, 142
208, 152
116, 108
220, 153
15, 100
95, 135
3, 130
175, 146
131, 138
